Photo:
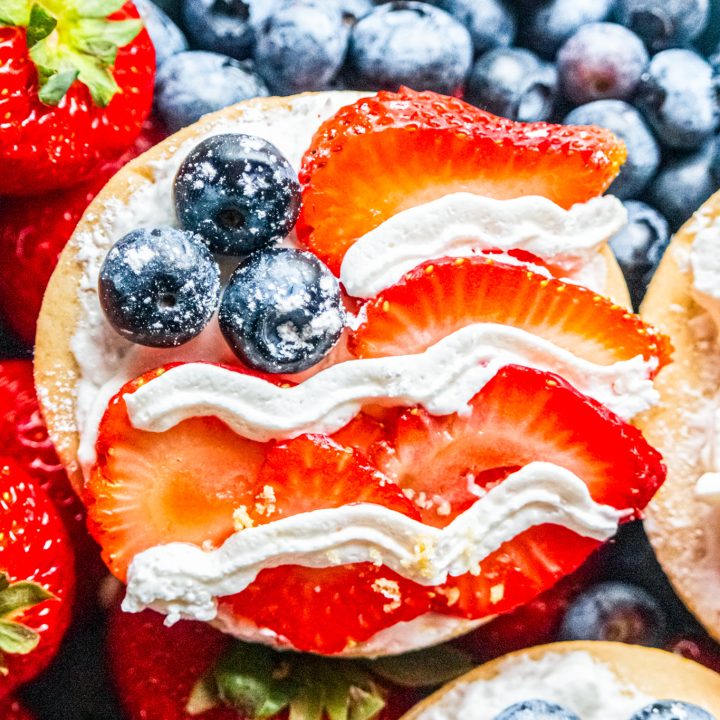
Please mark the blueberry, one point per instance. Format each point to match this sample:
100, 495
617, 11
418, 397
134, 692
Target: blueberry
301, 46
514, 83
664, 23
409, 43
536, 710
683, 184
643, 153
225, 26
166, 36
617, 612
679, 96
546, 26
639, 246
238, 192
490, 22
192, 84
282, 311
159, 287
601, 60
672, 710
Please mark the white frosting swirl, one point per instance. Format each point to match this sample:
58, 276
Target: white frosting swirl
183, 581
443, 379
461, 224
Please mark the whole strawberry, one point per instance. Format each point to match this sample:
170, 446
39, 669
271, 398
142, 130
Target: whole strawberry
77, 81
24, 437
33, 234
191, 669
36, 578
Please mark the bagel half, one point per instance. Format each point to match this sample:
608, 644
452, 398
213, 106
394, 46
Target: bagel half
653, 673
70, 363
684, 529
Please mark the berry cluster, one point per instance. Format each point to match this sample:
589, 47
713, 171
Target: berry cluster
235, 196
643, 68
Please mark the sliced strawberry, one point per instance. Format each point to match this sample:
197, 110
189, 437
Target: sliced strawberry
325, 610
394, 151
520, 416
151, 488
437, 298
361, 432
517, 572
534, 623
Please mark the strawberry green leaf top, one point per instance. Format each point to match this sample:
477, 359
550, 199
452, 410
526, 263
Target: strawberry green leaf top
77, 79
36, 578
15, 598
72, 39
260, 683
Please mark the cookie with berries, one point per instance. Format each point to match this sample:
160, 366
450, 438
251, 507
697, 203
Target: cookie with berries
682, 300
349, 470
57, 367
628, 681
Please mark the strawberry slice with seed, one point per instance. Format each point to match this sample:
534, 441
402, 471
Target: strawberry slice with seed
325, 609
440, 297
445, 463
394, 151
181, 485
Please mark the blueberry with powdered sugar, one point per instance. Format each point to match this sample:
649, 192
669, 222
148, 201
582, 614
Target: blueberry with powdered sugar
672, 710
159, 287
282, 311
238, 193
536, 710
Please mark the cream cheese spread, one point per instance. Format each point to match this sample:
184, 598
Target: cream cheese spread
575, 680
183, 580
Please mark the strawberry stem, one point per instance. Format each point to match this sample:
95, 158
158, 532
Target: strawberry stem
260, 682
71, 40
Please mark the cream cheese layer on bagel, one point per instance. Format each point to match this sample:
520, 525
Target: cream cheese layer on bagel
683, 520
81, 362
595, 680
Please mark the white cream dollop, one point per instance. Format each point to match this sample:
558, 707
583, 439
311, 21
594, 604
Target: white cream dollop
463, 224
575, 680
443, 379
183, 580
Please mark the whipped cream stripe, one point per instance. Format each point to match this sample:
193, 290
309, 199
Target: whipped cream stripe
183, 581
463, 224
443, 379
